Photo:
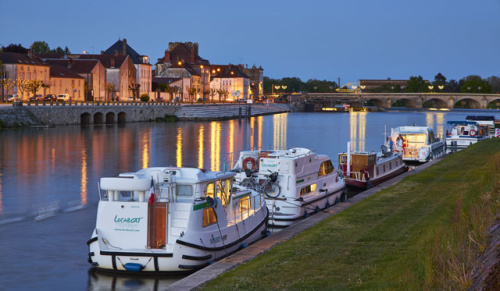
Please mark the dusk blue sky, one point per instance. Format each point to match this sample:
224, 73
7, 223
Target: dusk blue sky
317, 39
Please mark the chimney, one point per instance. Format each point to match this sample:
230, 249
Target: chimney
116, 52
166, 59
112, 62
124, 49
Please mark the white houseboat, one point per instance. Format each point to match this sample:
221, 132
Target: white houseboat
173, 220
364, 170
465, 133
297, 182
418, 144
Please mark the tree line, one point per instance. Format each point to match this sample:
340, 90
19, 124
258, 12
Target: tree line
469, 84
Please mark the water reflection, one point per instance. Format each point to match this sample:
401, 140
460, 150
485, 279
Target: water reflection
84, 179
436, 121
357, 122
108, 281
201, 137
280, 131
178, 156
146, 141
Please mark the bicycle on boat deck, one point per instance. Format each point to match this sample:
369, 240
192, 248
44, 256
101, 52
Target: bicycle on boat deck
268, 186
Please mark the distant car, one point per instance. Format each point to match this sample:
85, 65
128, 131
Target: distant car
63, 97
202, 99
13, 98
38, 97
241, 100
50, 97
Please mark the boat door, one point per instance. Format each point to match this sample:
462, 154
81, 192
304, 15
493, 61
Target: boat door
157, 225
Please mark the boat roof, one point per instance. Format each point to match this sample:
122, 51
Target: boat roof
292, 153
182, 174
480, 117
462, 122
412, 129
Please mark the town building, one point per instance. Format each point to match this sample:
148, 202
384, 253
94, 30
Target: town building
141, 62
229, 82
92, 70
24, 67
256, 76
65, 81
120, 75
181, 60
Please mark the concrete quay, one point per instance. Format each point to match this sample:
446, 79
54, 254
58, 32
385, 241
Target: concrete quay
198, 279
109, 113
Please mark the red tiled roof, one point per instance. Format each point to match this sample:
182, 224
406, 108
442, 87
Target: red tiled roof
78, 66
20, 59
61, 72
106, 60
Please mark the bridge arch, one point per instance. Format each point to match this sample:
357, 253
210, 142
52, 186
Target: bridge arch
404, 102
85, 118
122, 117
110, 118
467, 103
434, 103
494, 104
99, 118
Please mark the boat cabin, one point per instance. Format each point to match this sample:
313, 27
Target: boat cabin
361, 164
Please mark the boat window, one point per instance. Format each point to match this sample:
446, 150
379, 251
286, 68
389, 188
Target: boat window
184, 190
307, 189
209, 217
245, 205
224, 190
384, 169
377, 172
326, 168
416, 140
390, 166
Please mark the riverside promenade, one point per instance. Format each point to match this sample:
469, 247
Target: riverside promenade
33, 114
205, 275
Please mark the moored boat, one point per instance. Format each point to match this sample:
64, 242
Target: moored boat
297, 182
418, 143
465, 133
173, 220
364, 170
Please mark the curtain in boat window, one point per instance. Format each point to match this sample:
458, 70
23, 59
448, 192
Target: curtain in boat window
209, 217
326, 168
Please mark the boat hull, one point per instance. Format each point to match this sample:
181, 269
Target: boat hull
188, 255
357, 184
285, 212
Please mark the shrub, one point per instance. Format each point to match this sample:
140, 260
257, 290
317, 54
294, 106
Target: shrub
144, 97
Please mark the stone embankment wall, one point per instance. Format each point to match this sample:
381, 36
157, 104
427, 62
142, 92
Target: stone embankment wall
39, 115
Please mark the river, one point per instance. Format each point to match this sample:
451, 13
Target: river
48, 178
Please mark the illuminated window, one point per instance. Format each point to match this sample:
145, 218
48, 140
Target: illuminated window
326, 168
307, 189
209, 217
245, 205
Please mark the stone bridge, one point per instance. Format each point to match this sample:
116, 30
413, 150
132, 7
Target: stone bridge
110, 113
99, 113
410, 100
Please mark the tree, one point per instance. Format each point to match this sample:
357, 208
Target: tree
191, 92
111, 89
220, 92
7, 84
40, 47
22, 86
475, 84
439, 79
135, 89
212, 93
416, 84
34, 85
495, 83
15, 48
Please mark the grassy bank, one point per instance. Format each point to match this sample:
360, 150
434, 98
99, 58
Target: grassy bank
423, 233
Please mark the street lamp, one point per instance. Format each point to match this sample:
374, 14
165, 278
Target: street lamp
430, 87
441, 87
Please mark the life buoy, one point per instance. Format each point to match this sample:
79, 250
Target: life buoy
247, 160
472, 132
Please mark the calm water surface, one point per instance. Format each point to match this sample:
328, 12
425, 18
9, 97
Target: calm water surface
56, 171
